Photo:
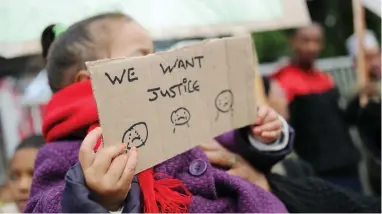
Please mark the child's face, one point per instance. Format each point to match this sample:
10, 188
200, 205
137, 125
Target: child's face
21, 173
131, 40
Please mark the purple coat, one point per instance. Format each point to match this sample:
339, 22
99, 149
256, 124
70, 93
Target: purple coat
213, 190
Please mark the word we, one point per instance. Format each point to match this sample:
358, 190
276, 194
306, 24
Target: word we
130, 76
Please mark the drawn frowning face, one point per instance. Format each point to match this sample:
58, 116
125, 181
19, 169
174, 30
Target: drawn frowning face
180, 116
224, 101
136, 135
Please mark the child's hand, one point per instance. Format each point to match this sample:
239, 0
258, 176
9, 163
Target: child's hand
109, 172
268, 125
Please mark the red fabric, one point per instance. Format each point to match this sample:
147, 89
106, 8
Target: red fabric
295, 81
74, 109
70, 110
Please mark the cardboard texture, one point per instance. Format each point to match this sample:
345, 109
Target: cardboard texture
168, 102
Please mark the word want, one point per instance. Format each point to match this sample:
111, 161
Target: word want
180, 63
186, 86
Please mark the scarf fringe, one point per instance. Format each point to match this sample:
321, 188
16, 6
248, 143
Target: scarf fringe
161, 195
166, 195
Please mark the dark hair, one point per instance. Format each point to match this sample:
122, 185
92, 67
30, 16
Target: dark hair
80, 43
294, 31
47, 38
34, 141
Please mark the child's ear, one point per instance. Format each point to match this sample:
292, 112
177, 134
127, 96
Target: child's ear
81, 76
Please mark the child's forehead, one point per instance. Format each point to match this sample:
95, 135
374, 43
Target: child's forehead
23, 158
131, 40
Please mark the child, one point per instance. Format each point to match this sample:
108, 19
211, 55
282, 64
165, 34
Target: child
103, 181
21, 169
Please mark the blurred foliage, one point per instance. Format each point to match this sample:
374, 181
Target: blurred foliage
337, 19
270, 45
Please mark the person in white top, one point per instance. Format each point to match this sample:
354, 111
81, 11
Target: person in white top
38, 90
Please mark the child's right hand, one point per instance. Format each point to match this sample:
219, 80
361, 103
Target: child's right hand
109, 172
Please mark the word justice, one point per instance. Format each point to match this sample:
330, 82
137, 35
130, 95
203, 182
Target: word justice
186, 86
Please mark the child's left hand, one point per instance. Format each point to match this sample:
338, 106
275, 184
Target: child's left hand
268, 125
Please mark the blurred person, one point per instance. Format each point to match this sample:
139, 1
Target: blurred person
309, 194
38, 90
21, 169
368, 118
301, 192
7, 204
71, 123
322, 134
372, 54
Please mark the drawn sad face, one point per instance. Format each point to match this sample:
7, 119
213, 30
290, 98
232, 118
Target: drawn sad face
224, 101
136, 135
180, 116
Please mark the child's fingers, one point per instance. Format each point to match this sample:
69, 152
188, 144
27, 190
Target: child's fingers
116, 168
271, 116
86, 154
271, 134
210, 146
105, 156
234, 172
129, 170
261, 114
271, 126
221, 158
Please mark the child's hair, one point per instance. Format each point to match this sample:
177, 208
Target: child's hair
49, 34
47, 38
84, 41
34, 142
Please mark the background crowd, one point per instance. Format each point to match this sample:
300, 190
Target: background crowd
336, 148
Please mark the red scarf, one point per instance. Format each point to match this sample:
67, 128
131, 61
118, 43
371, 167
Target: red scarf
73, 112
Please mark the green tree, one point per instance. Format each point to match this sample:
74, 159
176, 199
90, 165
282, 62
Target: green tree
337, 19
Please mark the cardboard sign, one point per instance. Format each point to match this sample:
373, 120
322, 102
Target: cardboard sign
168, 102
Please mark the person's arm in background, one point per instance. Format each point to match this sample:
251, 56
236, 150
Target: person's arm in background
354, 109
368, 121
313, 195
278, 100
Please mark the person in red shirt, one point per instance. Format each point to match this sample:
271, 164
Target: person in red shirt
322, 134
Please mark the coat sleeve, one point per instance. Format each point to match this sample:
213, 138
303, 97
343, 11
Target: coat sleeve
77, 198
238, 142
48, 181
313, 195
